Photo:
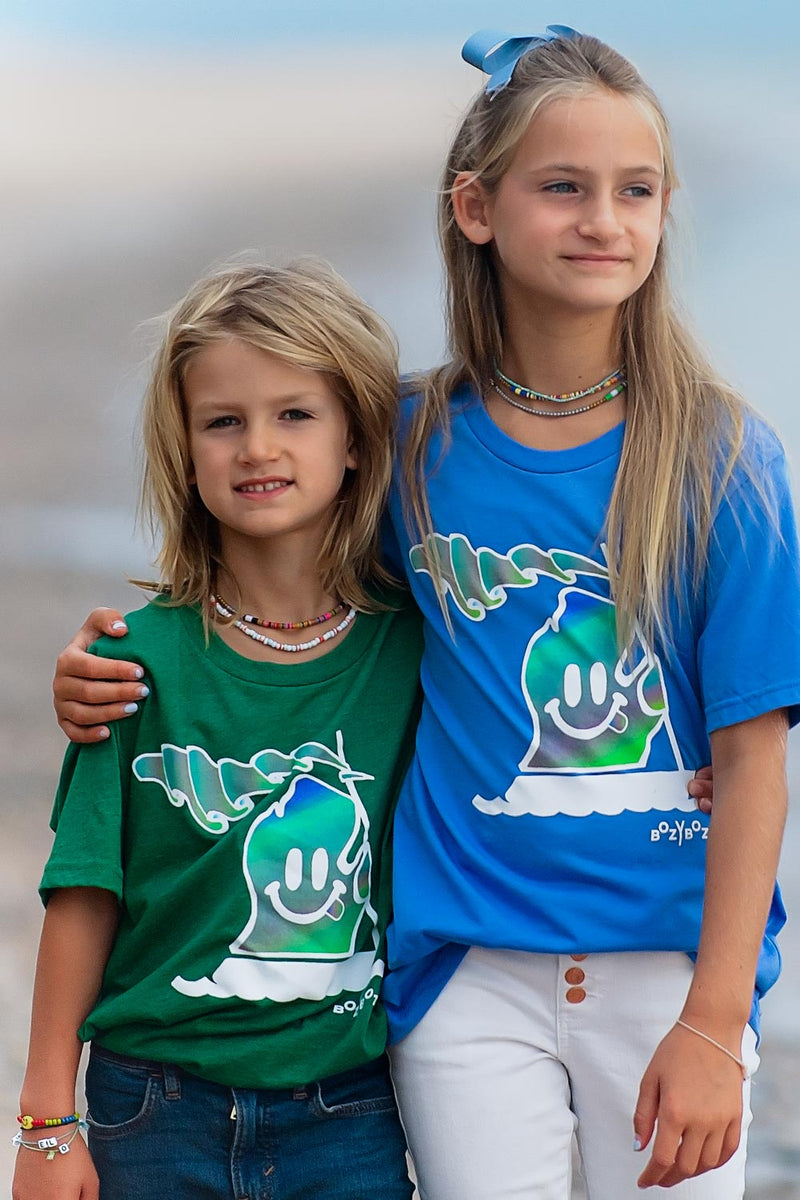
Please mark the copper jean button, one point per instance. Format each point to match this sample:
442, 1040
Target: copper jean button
574, 975
575, 995
578, 957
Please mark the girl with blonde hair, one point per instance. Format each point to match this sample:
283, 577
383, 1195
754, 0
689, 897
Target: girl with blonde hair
219, 888
602, 541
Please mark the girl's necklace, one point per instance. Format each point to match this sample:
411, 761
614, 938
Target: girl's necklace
249, 619
525, 393
564, 412
287, 647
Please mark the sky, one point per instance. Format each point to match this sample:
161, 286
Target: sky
770, 29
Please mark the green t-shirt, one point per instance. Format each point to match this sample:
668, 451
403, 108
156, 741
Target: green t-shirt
242, 817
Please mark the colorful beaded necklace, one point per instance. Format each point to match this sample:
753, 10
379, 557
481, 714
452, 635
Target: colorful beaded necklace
249, 619
287, 647
563, 412
526, 393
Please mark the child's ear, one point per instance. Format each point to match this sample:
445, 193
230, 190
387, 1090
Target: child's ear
471, 208
665, 209
351, 462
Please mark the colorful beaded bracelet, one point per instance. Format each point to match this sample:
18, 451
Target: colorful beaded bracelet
28, 1122
50, 1145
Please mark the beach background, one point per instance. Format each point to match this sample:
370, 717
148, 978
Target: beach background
143, 144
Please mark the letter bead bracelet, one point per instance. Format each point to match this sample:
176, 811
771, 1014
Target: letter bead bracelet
49, 1145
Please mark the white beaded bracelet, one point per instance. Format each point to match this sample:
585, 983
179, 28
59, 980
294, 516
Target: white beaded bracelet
49, 1145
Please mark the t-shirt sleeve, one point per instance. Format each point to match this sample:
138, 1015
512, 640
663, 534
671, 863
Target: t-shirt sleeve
749, 648
87, 819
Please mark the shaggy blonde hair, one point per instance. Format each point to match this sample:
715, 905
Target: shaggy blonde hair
306, 315
684, 428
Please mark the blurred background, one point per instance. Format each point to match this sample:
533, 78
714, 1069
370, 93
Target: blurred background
144, 143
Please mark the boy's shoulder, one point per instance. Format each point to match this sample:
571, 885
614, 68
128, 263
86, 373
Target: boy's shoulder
154, 627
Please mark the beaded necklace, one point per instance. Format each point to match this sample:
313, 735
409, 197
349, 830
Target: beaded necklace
287, 647
558, 397
249, 619
564, 412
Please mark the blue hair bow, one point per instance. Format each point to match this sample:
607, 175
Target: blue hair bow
496, 54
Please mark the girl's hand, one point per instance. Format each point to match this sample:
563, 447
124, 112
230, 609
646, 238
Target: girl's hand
691, 1094
701, 788
88, 690
67, 1177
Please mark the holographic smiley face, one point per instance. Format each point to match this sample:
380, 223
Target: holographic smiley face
307, 864
592, 708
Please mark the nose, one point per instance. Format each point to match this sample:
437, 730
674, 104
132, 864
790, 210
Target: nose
600, 219
260, 443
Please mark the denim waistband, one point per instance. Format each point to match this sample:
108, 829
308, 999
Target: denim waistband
171, 1072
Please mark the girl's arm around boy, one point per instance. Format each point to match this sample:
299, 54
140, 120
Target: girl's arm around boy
77, 936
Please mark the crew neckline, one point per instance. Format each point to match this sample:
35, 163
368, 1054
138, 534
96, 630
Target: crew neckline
291, 674
528, 458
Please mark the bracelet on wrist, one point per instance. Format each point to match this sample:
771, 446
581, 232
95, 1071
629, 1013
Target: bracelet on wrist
51, 1146
739, 1062
29, 1122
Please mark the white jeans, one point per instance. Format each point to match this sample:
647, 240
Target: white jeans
513, 1057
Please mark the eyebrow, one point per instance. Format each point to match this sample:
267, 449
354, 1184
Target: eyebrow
211, 400
572, 169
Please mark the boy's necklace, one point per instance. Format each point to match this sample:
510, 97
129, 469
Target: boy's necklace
526, 393
287, 647
563, 412
249, 619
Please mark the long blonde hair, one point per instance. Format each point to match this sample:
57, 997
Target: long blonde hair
308, 316
684, 429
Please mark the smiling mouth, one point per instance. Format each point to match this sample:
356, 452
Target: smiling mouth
331, 907
615, 719
599, 260
259, 489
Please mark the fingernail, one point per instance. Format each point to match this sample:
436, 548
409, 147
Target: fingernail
138, 672
131, 708
144, 690
103, 733
637, 1145
119, 625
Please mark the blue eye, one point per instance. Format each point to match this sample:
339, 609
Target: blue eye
295, 414
222, 422
638, 190
562, 188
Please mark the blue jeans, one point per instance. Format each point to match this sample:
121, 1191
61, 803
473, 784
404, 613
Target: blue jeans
157, 1132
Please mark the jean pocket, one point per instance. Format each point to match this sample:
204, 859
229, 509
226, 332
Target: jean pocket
119, 1097
354, 1093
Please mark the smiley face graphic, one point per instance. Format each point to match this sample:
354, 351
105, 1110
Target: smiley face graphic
592, 708
307, 864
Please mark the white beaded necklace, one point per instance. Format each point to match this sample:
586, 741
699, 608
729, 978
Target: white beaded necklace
287, 647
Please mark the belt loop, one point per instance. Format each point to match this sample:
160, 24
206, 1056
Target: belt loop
172, 1083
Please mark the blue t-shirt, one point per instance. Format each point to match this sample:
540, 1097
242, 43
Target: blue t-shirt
546, 807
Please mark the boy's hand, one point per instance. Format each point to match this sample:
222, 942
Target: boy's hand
66, 1177
88, 690
691, 1095
702, 788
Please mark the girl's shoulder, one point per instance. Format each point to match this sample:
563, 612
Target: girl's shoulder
761, 443
424, 398
760, 466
